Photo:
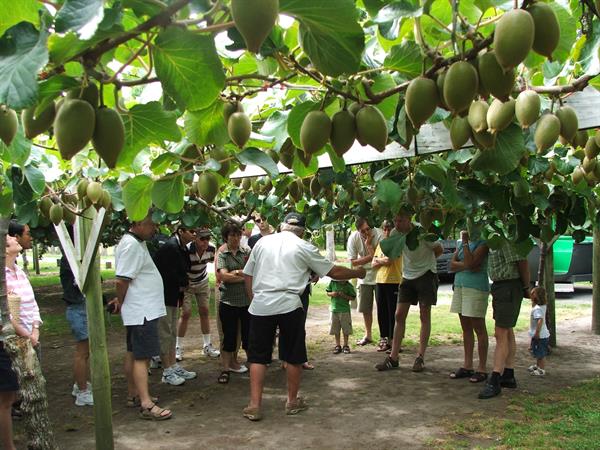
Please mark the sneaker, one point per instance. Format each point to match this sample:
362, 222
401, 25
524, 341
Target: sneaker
84, 398
387, 364
490, 390
293, 408
155, 362
209, 350
170, 377
538, 372
178, 353
419, 364
532, 367
185, 374
76, 389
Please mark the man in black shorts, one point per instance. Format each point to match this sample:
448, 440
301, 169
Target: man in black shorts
275, 276
419, 285
509, 272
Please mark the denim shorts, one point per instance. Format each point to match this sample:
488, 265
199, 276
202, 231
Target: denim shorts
539, 347
77, 317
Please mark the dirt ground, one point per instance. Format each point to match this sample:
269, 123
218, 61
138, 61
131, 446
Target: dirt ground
351, 404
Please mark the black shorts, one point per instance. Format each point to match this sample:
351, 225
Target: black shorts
420, 290
292, 346
8, 378
507, 296
142, 340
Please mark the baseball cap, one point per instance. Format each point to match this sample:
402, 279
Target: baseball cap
202, 232
296, 219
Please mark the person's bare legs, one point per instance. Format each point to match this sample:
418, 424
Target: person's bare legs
512, 350
502, 349
204, 319
168, 359
468, 341
294, 374
425, 316
482, 342
368, 318
81, 364
184, 318
140, 378
257, 381
128, 366
6, 435
399, 328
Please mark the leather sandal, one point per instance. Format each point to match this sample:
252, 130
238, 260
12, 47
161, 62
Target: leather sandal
155, 412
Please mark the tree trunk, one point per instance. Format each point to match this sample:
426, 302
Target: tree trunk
330, 243
595, 281
25, 262
36, 259
27, 367
549, 286
99, 366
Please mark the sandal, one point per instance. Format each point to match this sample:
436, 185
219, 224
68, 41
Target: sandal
478, 377
224, 377
308, 366
364, 341
337, 350
134, 402
346, 349
155, 412
461, 373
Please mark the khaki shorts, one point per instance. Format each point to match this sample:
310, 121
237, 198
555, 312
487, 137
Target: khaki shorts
341, 321
469, 302
200, 293
366, 295
167, 330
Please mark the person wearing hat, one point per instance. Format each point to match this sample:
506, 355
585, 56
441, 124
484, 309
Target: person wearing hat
275, 276
200, 253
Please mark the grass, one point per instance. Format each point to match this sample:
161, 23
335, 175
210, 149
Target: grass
567, 419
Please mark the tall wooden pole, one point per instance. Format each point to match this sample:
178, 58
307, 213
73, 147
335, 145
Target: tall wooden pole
99, 366
595, 281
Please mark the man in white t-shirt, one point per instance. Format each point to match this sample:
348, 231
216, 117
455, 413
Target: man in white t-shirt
275, 275
140, 299
361, 248
419, 285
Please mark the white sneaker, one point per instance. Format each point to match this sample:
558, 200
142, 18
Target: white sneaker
179, 353
170, 377
209, 350
155, 362
84, 398
538, 372
532, 367
76, 389
185, 374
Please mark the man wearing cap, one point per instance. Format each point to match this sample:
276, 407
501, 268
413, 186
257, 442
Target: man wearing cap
275, 276
200, 253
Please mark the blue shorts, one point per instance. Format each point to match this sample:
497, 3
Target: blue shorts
77, 317
539, 347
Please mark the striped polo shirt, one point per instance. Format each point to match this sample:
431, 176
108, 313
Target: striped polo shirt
198, 273
17, 283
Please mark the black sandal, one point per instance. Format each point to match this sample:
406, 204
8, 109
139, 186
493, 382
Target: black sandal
224, 377
478, 377
462, 373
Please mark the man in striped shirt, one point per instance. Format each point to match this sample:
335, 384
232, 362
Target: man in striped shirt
200, 253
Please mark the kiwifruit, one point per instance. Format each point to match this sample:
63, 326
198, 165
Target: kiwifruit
286, 153
412, 196
527, 108
36, 125
546, 132
549, 173
246, 184
591, 148
56, 214
74, 127
68, 216
229, 108
295, 190
45, 205
254, 19
513, 38
460, 86
315, 187
8, 124
581, 138
371, 127
239, 128
500, 115
460, 132
106, 199
477, 116
315, 131
520, 188
94, 191
109, 135
89, 94
221, 155
577, 175
493, 78
82, 188
208, 186
355, 107
588, 164
439, 82
421, 100
568, 122
547, 28
343, 131
306, 158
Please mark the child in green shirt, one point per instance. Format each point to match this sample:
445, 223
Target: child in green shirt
341, 294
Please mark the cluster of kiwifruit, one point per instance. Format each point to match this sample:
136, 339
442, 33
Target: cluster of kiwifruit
589, 169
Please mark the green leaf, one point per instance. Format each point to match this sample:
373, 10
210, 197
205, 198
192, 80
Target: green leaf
142, 7
23, 53
137, 196
22, 192
568, 33
167, 194
433, 171
52, 88
19, 11
188, 66
505, 156
383, 83
484, 5
145, 124
301, 170
388, 192
329, 33
392, 247
339, 165
276, 127
406, 59
36, 179
296, 117
253, 156
6, 202
397, 9
18, 151
116, 194
162, 163
74, 15
206, 126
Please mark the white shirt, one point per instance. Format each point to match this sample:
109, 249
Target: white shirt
280, 265
538, 312
417, 262
357, 249
145, 296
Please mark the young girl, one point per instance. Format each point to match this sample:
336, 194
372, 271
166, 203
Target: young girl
538, 331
